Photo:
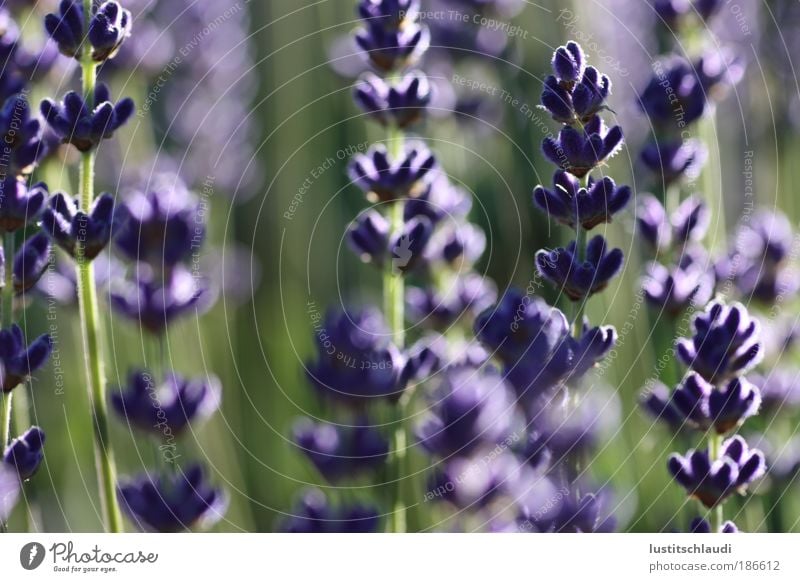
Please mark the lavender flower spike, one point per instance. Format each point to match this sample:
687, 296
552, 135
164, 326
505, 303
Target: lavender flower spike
79, 233
25, 454
384, 179
579, 151
569, 203
18, 360
31, 262
20, 205
579, 280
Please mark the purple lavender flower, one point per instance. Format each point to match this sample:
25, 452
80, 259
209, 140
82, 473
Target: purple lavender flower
675, 93
700, 525
313, 514
671, 10
85, 127
674, 159
470, 408
167, 408
153, 302
707, 8
569, 63
580, 279
172, 503
674, 290
467, 482
400, 104
712, 481
341, 452
19, 360
66, 27
25, 453
569, 203
384, 179
109, 27
575, 93
780, 389
22, 137
79, 233
20, 205
388, 14
439, 309
392, 49
725, 343
579, 151
30, 262
440, 201
9, 491
457, 244
368, 237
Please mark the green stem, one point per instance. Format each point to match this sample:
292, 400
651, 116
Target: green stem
7, 319
717, 517
90, 320
580, 250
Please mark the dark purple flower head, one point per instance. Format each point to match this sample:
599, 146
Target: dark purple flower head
389, 14
580, 279
675, 94
766, 236
21, 136
30, 262
86, 125
18, 360
384, 179
356, 362
569, 203
464, 297
578, 151
651, 219
155, 302
711, 481
471, 407
161, 227
313, 514
656, 401
440, 201
671, 10
25, 453
408, 247
576, 102
20, 205
674, 290
700, 525
568, 63
393, 49
66, 27
400, 104
673, 160
166, 409
81, 234
172, 502
690, 220
585, 514
726, 342
368, 237
467, 482
457, 244
341, 452
707, 8
109, 27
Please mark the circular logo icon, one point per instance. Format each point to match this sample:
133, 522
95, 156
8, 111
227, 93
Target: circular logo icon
31, 555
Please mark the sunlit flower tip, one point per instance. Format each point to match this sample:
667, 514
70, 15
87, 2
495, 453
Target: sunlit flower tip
167, 408
160, 226
155, 302
673, 290
25, 453
580, 279
471, 407
30, 262
313, 514
341, 452
19, 360
22, 137
66, 27
579, 151
726, 342
568, 63
83, 125
368, 237
438, 309
700, 525
569, 203
80, 234
109, 27
20, 205
673, 160
172, 502
395, 48
400, 104
384, 179
712, 481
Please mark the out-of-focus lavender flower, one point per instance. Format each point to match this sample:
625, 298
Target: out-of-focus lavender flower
471, 407
700, 525
83, 126
674, 290
400, 104
579, 151
20, 205
586, 514
725, 342
313, 514
684, 98
688, 223
656, 402
467, 482
25, 453
780, 389
172, 503
59, 283
441, 201
30, 262
368, 237
580, 279
9, 491
467, 296
341, 452
459, 245
712, 481
383, 179
394, 47
671, 10
408, 246
79, 233
167, 408
674, 159
569, 203
19, 360
22, 137
356, 363
161, 227
153, 302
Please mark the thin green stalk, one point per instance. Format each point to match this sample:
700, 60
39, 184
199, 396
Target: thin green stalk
717, 517
8, 301
90, 320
